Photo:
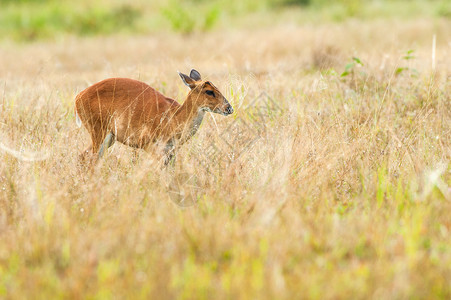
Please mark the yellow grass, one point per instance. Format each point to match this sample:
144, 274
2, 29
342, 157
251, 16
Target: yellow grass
343, 194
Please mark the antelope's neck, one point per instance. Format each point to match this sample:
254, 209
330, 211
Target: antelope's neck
188, 119
197, 120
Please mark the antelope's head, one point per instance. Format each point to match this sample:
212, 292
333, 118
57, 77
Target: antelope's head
205, 95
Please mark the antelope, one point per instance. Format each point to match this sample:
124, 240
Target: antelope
133, 113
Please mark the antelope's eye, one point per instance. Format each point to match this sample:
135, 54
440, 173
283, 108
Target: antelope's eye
210, 93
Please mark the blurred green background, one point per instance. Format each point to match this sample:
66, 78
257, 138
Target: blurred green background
28, 20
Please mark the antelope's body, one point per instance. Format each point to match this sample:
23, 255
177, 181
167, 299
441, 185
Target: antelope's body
137, 115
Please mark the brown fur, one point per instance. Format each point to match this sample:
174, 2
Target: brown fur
139, 116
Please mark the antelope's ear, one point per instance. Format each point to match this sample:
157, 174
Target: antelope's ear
187, 80
195, 75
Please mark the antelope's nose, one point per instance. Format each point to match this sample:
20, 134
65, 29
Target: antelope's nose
229, 109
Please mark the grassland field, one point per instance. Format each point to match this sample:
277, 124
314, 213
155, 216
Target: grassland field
330, 181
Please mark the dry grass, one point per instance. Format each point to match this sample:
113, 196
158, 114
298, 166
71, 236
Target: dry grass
345, 194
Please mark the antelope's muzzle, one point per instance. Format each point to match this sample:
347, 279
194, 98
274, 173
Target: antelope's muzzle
229, 109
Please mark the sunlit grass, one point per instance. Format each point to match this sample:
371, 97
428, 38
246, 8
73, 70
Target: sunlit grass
344, 193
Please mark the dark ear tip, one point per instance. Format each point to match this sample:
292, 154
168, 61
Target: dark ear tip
187, 80
194, 74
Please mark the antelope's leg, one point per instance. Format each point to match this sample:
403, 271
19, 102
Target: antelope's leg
107, 143
135, 155
85, 154
169, 152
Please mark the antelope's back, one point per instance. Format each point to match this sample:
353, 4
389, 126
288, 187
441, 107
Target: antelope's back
131, 99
